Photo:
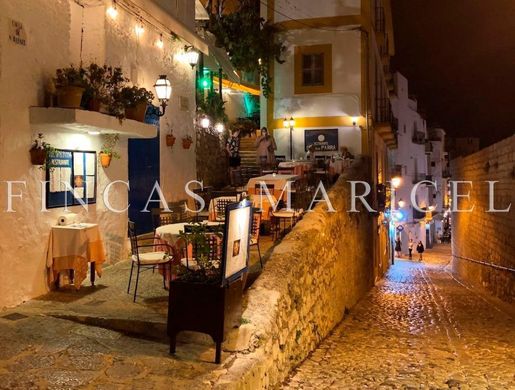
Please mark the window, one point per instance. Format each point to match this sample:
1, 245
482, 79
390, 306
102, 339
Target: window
313, 69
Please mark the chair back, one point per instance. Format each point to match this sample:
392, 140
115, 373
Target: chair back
210, 247
256, 224
219, 205
131, 231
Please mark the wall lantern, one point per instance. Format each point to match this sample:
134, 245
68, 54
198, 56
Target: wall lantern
205, 122
112, 11
163, 91
219, 127
191, 55
401, 203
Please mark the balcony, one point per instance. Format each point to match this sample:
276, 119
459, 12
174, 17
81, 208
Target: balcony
384, 120
418, 138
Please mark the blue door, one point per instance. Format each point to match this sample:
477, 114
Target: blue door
144, 171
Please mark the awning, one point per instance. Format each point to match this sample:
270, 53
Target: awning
218, 58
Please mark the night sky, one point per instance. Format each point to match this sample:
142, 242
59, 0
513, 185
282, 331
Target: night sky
459, 58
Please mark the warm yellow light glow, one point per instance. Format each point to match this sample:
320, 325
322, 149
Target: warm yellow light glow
220, 127
396, 181
112, 11
286, 123
431, 208
205, 122
139, 29
159, 42
354, 120
402, 203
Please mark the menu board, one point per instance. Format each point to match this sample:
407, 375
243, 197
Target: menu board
71, 178
238, 219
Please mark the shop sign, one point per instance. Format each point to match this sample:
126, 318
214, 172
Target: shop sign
324, 140
17, 34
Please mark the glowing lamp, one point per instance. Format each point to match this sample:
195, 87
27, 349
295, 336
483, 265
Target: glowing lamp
205, 122
163, 90
220, 127
396, 181
112, 11
192, 56
401, 203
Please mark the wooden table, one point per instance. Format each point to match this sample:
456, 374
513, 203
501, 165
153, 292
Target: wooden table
72, 247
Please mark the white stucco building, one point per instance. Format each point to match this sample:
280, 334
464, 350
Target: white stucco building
420, 157
63, 32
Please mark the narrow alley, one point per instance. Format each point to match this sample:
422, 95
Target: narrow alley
419, 328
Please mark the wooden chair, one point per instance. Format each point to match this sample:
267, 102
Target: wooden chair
254, 233
146, 260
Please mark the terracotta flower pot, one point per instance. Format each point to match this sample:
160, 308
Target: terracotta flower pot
170, 140
105, 160
186, 143
94, 105
137, 113
37, 156
69, 97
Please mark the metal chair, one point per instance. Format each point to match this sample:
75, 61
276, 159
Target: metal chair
218, 206
146, 260
254, 233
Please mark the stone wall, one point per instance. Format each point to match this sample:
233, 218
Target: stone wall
483, 243
320, 270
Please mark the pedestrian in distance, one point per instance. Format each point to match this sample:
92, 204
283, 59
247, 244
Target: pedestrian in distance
265, 149
232, 147
398, 247
410, 248
420, 250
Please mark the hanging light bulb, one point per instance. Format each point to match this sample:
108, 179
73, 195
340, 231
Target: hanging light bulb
159, 42
139, 29
112, 11
205, 122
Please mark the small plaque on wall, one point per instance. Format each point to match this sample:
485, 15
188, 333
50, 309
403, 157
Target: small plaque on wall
17, 34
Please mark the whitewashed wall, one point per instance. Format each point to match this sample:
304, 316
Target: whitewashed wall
53, 30
308, 9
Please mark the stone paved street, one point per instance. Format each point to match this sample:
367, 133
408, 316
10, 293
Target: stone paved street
419, 328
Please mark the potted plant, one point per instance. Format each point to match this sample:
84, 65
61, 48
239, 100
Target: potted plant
170, 138
198, 300
107, 152
187, 141
70, 86
104, 86
136, 101
39, 151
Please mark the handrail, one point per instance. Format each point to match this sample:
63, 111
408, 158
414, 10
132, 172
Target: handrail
489, 264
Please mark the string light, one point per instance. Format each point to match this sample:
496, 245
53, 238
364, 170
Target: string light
140, 29
112, 11
159, 42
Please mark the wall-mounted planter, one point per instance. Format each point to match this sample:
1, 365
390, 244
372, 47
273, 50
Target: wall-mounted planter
137, 113
69, 97
105, 159
186, 143
170, 140
37, 156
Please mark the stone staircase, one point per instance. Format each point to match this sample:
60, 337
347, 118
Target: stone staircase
248, 152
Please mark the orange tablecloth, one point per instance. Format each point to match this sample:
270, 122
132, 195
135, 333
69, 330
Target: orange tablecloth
73, 247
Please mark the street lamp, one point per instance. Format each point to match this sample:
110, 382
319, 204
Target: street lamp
401, 203
191, 55
290, 123
163, 91
396, 181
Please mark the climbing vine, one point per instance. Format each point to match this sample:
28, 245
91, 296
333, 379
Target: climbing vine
249, 40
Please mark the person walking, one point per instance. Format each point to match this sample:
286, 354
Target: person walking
398, 247
265, 147
232, 146
410, 248
420, 250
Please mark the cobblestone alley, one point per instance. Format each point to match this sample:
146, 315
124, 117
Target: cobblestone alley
419, 328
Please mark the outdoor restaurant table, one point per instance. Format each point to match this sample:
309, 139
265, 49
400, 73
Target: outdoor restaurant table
72, 247
277, 180
170, 234
299, 167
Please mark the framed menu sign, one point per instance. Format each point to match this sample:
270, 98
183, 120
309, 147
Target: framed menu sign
71, 176
235, 257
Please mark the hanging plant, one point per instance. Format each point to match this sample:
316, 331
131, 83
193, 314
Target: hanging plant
107, 152
170, 138
187, 141
39, 152
249, 40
